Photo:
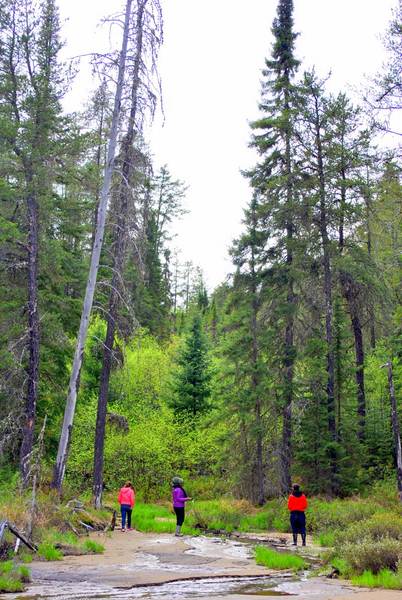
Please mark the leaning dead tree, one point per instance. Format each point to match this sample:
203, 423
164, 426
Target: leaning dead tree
395, 428
146, 35
65, 436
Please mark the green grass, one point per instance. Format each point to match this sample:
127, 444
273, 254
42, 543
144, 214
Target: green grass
326, 539
49, 552
13, 577
26, 557
9, 584
158, 519
93, 547
278, 560
384, 579
6, 567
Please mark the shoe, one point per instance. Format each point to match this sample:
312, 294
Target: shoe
123, 530
178, 535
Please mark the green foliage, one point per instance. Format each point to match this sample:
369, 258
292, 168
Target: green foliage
380, 525
192, 383
373, 556
384, 579
13, 577
47, 551
278, 560
93, 547
8, 584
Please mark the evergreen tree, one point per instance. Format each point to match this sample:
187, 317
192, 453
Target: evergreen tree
275, 178
192, 383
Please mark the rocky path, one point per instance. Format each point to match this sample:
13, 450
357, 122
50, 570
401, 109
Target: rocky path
137, 565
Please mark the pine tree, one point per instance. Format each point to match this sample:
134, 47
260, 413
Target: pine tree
192, 383
275, 178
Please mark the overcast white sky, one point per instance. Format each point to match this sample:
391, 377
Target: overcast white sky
210, 65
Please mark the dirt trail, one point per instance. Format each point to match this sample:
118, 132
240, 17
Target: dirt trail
138, 565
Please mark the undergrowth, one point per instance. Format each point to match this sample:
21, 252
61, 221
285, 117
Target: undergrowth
278, 560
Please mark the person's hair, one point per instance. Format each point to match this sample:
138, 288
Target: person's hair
296, 487
128, 484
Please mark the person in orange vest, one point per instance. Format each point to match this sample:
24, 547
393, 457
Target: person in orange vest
126, 500
297, 504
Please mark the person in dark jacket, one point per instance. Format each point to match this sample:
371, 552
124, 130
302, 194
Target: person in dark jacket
297, 504
179, 499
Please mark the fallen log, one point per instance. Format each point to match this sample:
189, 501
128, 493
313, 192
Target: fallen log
12, 529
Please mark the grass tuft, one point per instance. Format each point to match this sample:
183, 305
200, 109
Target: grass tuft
49, 552
278, 560
384, 579
93, 547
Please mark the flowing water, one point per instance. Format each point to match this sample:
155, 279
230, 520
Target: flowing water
198, 562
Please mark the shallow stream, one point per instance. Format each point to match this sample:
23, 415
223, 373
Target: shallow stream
61, 583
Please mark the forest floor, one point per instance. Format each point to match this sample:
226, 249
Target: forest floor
147, 565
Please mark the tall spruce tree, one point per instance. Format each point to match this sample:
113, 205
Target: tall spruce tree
191, 388
274, 177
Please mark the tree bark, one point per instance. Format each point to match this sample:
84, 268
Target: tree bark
395, 429
323, 224
33, 326
259, 466
65, 437
350, 295
118, 260
286, 453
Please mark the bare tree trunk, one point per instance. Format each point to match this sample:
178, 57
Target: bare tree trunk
395, 428
33, 324
65, 437
286, 453
367, 200
119, 249
350, 296
327, 297
259, 467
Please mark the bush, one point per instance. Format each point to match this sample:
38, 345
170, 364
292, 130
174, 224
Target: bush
323, 516
278, 560
379, 526
373, 556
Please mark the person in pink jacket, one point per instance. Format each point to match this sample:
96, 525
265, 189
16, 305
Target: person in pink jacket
126, 500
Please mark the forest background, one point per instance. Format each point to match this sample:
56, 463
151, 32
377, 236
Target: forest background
274, 375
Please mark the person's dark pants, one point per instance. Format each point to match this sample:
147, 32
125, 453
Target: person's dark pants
298, 523
126, 511
179, 510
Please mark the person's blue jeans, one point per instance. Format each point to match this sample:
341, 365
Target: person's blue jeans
126, 511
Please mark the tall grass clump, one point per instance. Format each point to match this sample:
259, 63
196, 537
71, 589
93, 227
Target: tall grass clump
48, 552
384, 579
93, 547
278, 560
13, 577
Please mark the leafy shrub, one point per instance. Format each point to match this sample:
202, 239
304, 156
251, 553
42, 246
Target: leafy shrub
278, 560
384, 579
93, 547
379, 526
49, 552
337, 514
373, 556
